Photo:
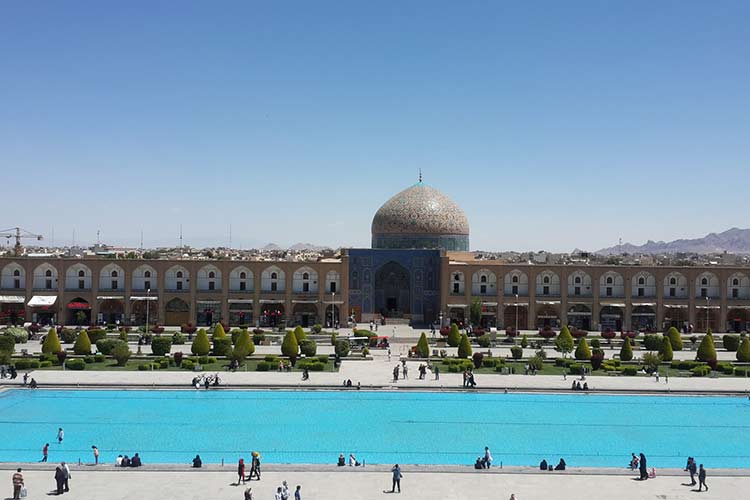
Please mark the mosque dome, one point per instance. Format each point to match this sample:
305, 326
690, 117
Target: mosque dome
420, 217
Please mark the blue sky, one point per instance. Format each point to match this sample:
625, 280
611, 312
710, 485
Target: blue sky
554, 124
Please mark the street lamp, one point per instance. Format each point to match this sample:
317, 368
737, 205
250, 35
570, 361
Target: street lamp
516, 314
441, 318
333, 310
708, 310
148, 303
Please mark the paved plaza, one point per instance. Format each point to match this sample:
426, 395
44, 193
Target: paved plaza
347, 484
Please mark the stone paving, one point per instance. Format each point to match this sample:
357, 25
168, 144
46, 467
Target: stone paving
348, 484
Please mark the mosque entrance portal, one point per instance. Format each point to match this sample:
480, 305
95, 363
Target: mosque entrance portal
392, 292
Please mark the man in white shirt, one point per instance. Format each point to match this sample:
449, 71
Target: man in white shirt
277, 496
118, 461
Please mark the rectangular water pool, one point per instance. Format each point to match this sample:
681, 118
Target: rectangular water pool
380, 427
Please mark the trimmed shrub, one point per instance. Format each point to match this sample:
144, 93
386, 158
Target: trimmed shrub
68, 336
20, 335
726, 368
290, 346
743, 351
323, 358
454, 336
201, 345
423, 347
96, 334
731, 342
342, 348
582, 351
516, 352
701, 371
83, 344
547, 333
121, 353
316, 328
178, 338
484, 340
45, 364
630, 371
685, 365
597, 359
464, 347
223, 346
187, 364
564, 343
157, 329
75, 364
665, 352
264, 366
88, 360
334, 336
651, 362
258, 337
123, 335
707, 350
608, 334
308, 347
477, 358
234, 335
742, 371
188, 328
652, 342
219, 332
299, 334
178, 358
626, 351
99, 358
27, 364
577, 334
161, 346
675, 339
536, 362
106, 346
244, 346
51, 343
7, 343
524, 341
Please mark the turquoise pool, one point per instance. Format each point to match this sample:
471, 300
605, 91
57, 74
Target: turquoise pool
381, 427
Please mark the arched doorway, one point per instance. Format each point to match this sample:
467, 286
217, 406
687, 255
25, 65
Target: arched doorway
675, 317
392, 293
643, 318
305, 314
706, 318
177, 312
579, 316
79, 312
737, 320
111, 311
272, 315
516, 315
333, 315
209, 312
457, 315
143, 309
610, 318
547, 316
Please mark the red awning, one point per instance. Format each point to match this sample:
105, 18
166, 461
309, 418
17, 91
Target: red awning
79, 305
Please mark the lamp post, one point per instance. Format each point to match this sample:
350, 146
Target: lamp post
333, 310
148, 303
441, 318
708, 311
516, 314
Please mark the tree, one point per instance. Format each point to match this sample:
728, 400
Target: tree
665, 351
308, 347
7, 347
244, 346
464, 347
121, 353
222, 346
423, 347
299, 334
564, 342
743, 352
454, 337
626, 352
475, 312
51, 343
290, 346
675, 339
342, 348
583, 351
161, 345
219, 332
651, 362
83, 344
201, 345
706, 350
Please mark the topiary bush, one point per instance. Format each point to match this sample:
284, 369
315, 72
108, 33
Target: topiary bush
454, 336
317, 328
564, 342
178, 338
701, 371
582, 351
675, 339
423, 347
516, 352
121, 353
524, 341
75, 364
219, 332
731, 342
464, 347
83, 344
178, 358
258, 337
536, 362
626, 351
652, 342
477, 359
484, 340
264, 366
96, 334
20, 335
743, 351
597, 359
707, 350
51, 343
630, 371
290, 346
223, 346
68, 336
187, 364
726, 368
244, 346
106, 346
123, 335
201, 345
27, 364
299, 334
665, 352
342, 348
161, 346
308, 347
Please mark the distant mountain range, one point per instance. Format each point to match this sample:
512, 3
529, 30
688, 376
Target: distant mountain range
735, 240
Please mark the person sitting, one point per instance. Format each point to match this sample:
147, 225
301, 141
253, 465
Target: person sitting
305, 374
349, 382
543, 465
197, 462
342, 460
585, 386
578, 386
560, 465
118, 461
478, 463
33, 383
633, 462
125, 461
573, 386
136, 461
353, 461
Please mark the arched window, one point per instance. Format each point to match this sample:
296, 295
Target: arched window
17, 273
515, 279
483, 279
211, 274
48, 273
641, 281
672, 281
81, 274
735, 282
305, 276
577, 280
274, 276
243, 275
457, 277
179, 274
546, 280
704, 281
147, 274
114, 274
609, 280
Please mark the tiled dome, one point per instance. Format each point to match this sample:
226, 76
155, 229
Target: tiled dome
419, 211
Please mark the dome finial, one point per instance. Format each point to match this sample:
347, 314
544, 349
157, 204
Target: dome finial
420, 175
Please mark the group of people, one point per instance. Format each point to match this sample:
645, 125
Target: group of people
8, 371
126, 461
691, 468
348, 384
576, 386
543, 465
353, 462
254, 468
282, 492
469, 379
639, 463
206, 381
484, 462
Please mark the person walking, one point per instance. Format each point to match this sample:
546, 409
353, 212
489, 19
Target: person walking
692, 469
702, 478
406, 371
397, 475
249, 494
487, 461
60, 435
642, 467
297, 493
277, 496
241, 471
284, 490
45, 453
395, 373
96, 454
66, 471
436, 371
17, 484
59, 479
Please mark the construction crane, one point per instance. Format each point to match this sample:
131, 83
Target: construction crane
18, 233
